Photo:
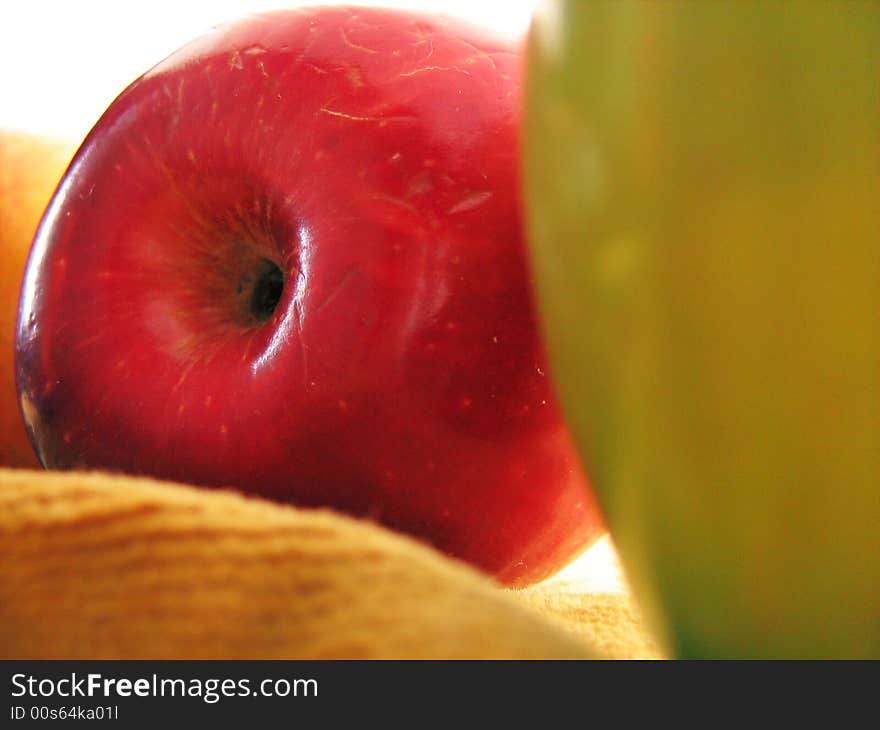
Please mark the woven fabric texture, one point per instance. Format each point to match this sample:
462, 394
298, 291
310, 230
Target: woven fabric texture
100, 566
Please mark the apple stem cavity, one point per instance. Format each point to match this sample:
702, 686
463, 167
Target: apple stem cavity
267, 290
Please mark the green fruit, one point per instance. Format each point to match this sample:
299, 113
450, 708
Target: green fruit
703, 195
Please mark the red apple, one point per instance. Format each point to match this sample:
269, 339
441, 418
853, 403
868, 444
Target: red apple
290, 259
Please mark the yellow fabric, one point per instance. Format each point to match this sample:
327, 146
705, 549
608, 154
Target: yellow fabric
99, 566
608, 622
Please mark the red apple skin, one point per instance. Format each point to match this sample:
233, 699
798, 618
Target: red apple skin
373, 156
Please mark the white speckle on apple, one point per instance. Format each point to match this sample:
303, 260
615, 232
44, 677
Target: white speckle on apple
417, 71
471, 200
348, 42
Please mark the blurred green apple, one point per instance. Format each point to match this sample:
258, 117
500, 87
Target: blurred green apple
703, 194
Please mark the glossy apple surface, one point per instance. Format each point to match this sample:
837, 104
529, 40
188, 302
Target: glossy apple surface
30, 167
703, 187
290, 259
